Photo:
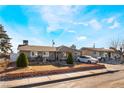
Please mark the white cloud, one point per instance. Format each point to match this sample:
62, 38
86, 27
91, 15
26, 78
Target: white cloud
53, 28
81, 38
110, 20
80, 23
71, 31
95, 24
57, 17
115, 25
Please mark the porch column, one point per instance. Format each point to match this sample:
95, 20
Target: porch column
56, 56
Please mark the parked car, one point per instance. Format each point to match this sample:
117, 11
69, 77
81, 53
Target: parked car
87, 59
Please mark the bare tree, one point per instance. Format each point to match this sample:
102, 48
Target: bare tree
122, 45
115, 43
118, 45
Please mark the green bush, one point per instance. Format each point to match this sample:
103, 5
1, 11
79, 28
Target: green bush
22, 60
69, 58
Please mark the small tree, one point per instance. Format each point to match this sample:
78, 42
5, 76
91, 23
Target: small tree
69, 59
22, 60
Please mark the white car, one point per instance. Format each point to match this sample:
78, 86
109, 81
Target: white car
87, 59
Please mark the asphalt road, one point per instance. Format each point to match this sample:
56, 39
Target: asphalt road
111, 80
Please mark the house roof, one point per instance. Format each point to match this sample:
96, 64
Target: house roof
45, 48
98, 49
35, 48
66, 49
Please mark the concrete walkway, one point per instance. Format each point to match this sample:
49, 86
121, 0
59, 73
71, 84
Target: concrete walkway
42, 80
113, 67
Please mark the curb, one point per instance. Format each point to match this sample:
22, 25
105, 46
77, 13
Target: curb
60, 80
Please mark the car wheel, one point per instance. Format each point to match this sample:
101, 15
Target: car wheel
89, 61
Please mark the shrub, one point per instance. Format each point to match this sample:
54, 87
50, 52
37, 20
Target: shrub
22, 60
69, 59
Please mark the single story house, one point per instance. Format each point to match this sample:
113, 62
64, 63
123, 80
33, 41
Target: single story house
98, 52
34, 51
48, 52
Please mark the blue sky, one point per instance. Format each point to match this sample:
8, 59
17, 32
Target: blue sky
66, 25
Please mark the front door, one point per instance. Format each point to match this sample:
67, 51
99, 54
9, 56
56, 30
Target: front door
109, 55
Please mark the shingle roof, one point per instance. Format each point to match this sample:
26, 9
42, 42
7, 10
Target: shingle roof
45, 48
98, 49
66, 49
35, 48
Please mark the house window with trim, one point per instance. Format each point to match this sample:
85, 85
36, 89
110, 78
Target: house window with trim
45, 54
33, 54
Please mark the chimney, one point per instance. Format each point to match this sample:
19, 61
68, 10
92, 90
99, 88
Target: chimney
93, 45
25, 42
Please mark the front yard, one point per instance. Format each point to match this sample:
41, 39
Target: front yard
40, 70
3, 65
49, 68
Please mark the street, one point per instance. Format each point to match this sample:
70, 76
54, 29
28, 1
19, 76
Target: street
111, 80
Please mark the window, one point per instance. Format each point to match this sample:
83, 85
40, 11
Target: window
84, 57
46, 54
34, 53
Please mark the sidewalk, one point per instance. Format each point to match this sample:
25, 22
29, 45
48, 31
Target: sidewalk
113, 67
41, 80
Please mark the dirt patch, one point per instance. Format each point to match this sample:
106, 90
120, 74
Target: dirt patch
3, 66
48, 69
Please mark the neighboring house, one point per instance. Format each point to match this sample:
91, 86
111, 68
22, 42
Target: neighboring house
64, 50
120, 55
98, 52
